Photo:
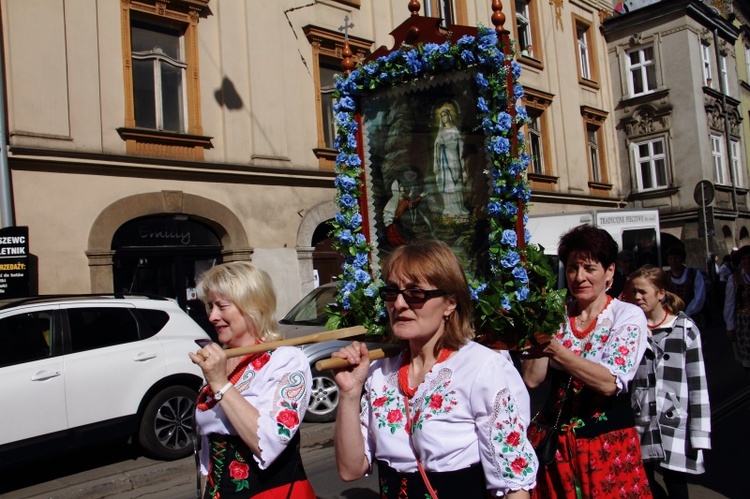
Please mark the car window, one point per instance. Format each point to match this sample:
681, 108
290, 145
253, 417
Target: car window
155, 320
311, 309
100, 327
25, 338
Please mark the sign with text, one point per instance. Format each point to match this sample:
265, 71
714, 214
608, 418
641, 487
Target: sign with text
14, 262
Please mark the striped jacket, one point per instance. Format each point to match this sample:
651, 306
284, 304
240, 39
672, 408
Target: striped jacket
670, 398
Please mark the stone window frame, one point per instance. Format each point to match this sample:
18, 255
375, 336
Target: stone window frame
327, 49
663, 138
579, 23
183, 14
537, 103
533, 58
642, 67
593, 120
460, 12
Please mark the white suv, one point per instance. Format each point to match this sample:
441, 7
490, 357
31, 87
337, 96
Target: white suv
83, 369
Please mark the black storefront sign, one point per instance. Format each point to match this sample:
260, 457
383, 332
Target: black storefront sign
14, 262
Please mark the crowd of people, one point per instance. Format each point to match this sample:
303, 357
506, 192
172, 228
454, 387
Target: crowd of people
448, 417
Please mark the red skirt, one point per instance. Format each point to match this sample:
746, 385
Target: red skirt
300, 490
606, 466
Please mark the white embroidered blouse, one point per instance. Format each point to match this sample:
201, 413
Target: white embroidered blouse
617, 342
278, 385
472, 407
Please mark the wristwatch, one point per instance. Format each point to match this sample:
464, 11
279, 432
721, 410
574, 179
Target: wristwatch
220, 394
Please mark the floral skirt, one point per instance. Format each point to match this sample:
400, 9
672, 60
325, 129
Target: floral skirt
234, 473
607, 466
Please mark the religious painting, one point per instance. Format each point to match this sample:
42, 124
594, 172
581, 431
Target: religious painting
424, 160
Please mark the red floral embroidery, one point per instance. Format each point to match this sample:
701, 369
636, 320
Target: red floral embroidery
395, 415
519, 464
604, 338
513, 438
380, 401
567, 344
623, 350
260, 361
288, 418
588, 346
238, 470
436, 401
620, 361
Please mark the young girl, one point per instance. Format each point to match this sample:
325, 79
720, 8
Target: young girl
670, 396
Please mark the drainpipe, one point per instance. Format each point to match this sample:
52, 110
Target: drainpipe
6, 195
727, 139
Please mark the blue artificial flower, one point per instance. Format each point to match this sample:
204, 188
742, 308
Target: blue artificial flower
510, 259
527, 235
353, 160
355, 222
516, 68
371, 69
372, 290
343, 118
510, 208
522, 293
482, 82
482, 105
505, 303
413, 63
520, 274
487, 41
509, 238
499, 145
346, 303
444, 48
339, 218
475, 292
351, 141
347, 201
428, 50
521, 112
525, 160
361, 260
345, 104
345, 236
384, 77
518, 91
345, 183
494, 208
504, 121
465, 41
468, 57
363, 277
337, 144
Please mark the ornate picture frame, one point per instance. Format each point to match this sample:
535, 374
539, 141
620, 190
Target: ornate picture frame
465, 184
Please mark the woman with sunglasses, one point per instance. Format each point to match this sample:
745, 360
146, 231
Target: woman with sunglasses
447, 416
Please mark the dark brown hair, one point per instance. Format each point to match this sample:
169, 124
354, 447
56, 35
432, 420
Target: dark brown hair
590, 242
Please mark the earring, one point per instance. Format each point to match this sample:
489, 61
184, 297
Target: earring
446, 318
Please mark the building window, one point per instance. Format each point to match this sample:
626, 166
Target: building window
651, 163
706, 60
158, 76
523, 27
592, 138
538, 139
162, 90
719, 160
585, 36
724, 73
450, 11
642, 71
747, 63
327, 54
737, 163
536, 145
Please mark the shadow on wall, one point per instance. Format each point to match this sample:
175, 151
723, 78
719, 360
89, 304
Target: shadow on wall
227, 96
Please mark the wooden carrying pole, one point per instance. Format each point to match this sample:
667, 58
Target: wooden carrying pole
293, 342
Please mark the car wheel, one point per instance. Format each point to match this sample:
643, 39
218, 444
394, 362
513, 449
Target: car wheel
324, 398
167, 425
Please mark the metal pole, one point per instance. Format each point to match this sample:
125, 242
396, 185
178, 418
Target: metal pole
6, 194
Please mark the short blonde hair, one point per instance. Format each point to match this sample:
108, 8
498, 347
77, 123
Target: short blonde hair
250, 289
435, 262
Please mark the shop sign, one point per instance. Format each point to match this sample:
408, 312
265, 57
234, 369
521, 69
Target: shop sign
14, 262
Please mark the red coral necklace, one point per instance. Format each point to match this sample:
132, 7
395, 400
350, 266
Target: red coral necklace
206, 398
582, 334
666, 314
403, 372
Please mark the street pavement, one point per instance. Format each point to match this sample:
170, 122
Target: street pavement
726, 464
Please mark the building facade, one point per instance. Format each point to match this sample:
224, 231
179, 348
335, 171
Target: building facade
681, 122
149, 139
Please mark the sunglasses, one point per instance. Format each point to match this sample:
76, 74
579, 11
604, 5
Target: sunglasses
411, 295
